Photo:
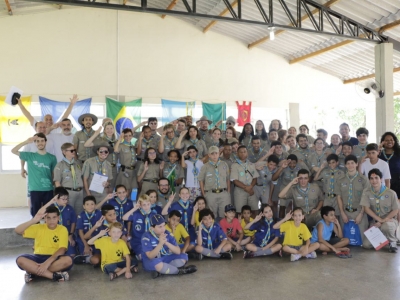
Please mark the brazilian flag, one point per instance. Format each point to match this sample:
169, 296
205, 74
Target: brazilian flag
124, 114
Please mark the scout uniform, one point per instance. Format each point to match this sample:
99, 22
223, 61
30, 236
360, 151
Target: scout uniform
94, 165
381, 204
205, 136
210, 142
215, 176
229, 162
199, 144
286, 177
308, 200
329, 179
342, 165
245, 172
186, 210
253, 157
67, 218
173, 171
163, 198
85, 222
151, 142
140, 224
247, 141
168, 146
264, 184
121, 207
80, 138
303, 155
350, 189
127, 159
359, 151
192, 172
69, 175
150, 179
112, 158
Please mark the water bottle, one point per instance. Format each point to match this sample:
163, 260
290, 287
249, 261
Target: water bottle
134, 196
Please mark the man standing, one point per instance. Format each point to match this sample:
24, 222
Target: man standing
87, 121
40, 165
344, 130
203, 130
303, 151
59, 139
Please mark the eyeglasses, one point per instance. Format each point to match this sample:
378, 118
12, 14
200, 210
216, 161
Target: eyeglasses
103, 152
72, 151
152, 153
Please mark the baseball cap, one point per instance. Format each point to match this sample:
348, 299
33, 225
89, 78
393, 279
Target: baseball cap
157, 220
230, 207
213, 149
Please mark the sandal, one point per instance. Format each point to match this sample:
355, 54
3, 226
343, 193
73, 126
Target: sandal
134, 269
28, 277
113, 275
341, 255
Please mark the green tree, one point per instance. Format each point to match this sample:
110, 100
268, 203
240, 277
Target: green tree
397, 117
354, 117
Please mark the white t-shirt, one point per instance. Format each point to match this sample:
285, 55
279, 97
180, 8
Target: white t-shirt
189, 174
49, 146
58, 140
381, 165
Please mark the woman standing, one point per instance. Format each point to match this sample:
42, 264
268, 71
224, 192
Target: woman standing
262, 133
191, 137
246, 136
149, 171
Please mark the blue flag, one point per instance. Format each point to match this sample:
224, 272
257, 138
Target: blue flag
172, 110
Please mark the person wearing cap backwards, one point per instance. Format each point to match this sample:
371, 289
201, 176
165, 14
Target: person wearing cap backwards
87, 121
214, 182
160, 252
244, 175
101, 166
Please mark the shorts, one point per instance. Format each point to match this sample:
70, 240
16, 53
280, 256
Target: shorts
81, 247
334, 240
110, 268
39, 259
294, 247
150, 264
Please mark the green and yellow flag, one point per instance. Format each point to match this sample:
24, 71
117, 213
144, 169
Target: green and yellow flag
124, 114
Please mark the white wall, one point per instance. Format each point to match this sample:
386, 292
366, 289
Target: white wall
95, 52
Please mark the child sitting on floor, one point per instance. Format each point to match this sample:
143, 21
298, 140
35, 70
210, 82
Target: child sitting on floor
176, 228
232, 228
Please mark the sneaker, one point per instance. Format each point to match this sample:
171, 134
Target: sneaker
60, 276
96, 266
248, 254
294, 257
312, 255
80, 259
199, 256
187, 270
226, 255
155, 274
29, 277
392, 249
194, 255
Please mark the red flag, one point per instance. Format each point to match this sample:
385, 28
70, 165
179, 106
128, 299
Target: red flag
244, 113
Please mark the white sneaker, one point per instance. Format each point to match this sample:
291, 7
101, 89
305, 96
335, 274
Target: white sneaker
312, 255
294, 257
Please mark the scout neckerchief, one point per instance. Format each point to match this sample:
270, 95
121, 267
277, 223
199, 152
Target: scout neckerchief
163, 250
194, 142
256, 155
215, 165
185, 207
121, 206
90, 217
249, 142
378, 197
195, 171
319, 157
147, 142
304, 194
132, 149
265, 178
111, 143
303, 151
153, 208
208, 231
268, 234
362, 149
163, 196
350, 200
246, 171
203, 134
332, 180
170, 142
217, 144
73, 173
385, 156
60, 220
171, 175
147, 219
100, 166
88, 136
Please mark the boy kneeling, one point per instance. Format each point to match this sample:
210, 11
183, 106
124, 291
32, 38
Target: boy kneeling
51, 243
160, 252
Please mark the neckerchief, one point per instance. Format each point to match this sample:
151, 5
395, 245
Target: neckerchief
171, 142
319, 157
304, 194
111, 143
133, 152
153, 208
215, 165
163, 250
385, 156
73, 173
147, 219
378, 198
268, 234
256, 155
100, 166
147, 142
362, 149
332, 180
89, 217
185, 207
209, 240
60, 221
194, 142
89, 134
350, 200
246, 171
265, 177
249, 143
121, 206
303, 151
195, 170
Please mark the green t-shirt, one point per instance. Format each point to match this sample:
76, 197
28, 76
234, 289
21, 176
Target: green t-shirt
40, 168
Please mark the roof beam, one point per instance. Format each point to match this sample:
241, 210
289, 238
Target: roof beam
223, 13
278, 32
343, 43
10, 12
170, 6
395, 70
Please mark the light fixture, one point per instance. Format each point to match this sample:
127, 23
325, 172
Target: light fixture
271, 33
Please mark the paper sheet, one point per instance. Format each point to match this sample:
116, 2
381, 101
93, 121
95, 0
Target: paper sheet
376, 237
97, 183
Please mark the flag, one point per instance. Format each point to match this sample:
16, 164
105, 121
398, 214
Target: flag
172, 110
171, 179
57, 108
244, 113
214, 112
124, 114
14, 126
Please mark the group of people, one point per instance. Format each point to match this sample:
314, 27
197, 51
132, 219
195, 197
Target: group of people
187, 191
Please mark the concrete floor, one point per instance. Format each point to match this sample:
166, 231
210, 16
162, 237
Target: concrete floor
368, 275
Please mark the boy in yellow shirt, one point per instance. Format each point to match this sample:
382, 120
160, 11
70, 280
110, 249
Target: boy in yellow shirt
51, 243
113, 249
245, 218
297, 236
178, 231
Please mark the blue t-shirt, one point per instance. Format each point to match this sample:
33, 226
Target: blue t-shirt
120, 208
216, 233
156, 209
138, 226
262, 232
86, 221
394, 164
149, 242
326, 231
177, 206
67, 216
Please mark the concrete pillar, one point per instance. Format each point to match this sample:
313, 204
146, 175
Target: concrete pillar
294, 115
384, 76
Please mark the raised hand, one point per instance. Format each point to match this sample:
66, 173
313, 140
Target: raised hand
74, 98
289, 215
39, 216
32, 139
258, 217
146, 166
162, 164
339, 150
104, 232
295, 180
99, 129
183, 132
171, 197
285, 163
99, 222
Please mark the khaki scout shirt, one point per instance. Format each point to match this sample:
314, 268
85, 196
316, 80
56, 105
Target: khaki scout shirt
387, 202
208, 176
342, 190
244, 172
80, 138
62, 174
314, 194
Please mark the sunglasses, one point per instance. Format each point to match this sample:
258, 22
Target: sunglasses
103, 151
229, 123
72, 151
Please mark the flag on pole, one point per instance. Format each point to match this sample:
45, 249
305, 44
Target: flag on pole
14, 126
244, 113
172, 110
214, 111
124, 114
171, 179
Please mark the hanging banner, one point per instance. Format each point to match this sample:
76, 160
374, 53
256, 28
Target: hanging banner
244, 113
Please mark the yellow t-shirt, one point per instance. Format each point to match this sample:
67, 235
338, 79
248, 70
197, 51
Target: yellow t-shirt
47, 241
295, 236
180, 233
196, 219
246, 231
111, 252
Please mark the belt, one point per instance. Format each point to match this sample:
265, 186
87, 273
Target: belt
128, 168
151, 180
75, 190
330, 195
351, 209
216, 191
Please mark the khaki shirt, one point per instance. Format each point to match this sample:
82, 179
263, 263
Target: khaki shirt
303, 155
244, 172
80, 138
152, 173
200, 146
179, 173
316, 160
314, 194
359, 151
360, 183
254, 157
91, 166
325, 175
168, 146
247, 141
289, 174
62, 174
205, 135
387, 202
127, 155
228, 161
152, 142
208, 176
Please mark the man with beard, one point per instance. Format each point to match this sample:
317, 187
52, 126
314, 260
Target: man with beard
303, 151
87, 121
163, 192
41, 165
205, 134
66, 136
